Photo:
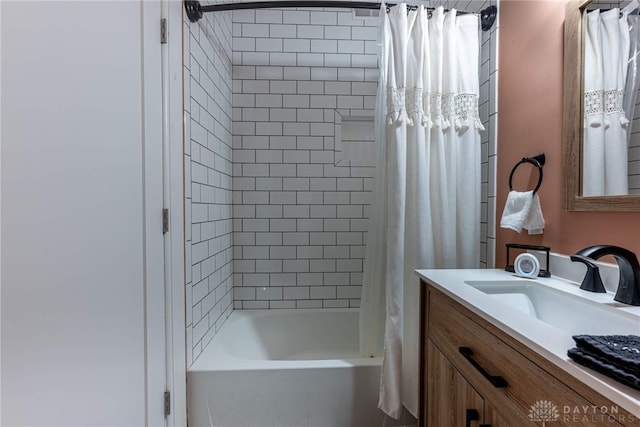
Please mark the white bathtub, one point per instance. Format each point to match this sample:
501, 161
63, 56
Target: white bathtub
285, 368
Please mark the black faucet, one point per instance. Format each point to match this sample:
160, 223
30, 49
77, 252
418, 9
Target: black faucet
592, 281
629, 283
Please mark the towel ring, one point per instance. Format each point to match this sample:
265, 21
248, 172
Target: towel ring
538, 161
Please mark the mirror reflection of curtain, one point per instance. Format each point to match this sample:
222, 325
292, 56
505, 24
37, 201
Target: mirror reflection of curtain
606, 125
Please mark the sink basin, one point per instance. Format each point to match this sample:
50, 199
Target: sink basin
564, 311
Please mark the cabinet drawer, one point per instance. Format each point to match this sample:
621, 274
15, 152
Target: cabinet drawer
451, 326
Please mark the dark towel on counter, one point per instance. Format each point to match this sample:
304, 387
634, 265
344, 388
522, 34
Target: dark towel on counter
617, 356
591, 361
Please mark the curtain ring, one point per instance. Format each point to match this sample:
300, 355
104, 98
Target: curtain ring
537, 161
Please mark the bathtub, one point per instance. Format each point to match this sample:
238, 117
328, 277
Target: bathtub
283, 368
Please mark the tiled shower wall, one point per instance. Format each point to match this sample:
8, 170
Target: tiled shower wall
299, 220
208, 177
489, 113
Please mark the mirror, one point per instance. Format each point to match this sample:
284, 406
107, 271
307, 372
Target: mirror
573, 122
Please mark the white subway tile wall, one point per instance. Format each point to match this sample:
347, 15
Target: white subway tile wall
488, 109
299, 220
274, 223
208, 178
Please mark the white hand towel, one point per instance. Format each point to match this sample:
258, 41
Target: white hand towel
534, 223
516, 210
522, 209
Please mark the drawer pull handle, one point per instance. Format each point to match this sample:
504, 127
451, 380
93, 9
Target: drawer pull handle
472, 415
496, 380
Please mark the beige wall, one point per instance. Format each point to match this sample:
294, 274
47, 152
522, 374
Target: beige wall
530, 104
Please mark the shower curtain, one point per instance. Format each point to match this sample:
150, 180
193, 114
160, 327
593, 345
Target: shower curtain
606, 125
426, 212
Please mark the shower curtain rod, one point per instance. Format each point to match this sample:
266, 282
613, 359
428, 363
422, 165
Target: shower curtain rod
195, 10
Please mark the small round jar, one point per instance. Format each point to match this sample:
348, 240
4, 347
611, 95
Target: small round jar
526, 265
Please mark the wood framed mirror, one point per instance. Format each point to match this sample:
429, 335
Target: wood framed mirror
573, 119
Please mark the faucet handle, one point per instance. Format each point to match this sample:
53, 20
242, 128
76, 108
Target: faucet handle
592, 281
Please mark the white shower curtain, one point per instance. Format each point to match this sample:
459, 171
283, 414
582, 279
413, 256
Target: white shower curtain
606, 126
426, 212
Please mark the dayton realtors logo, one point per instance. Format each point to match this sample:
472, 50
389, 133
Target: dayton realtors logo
546, 411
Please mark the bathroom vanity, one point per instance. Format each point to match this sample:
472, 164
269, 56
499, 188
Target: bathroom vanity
494, 358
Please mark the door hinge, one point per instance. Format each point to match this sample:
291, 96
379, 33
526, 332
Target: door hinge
163, 30
165, 220
167, 403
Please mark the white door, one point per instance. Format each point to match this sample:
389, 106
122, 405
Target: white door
82, 275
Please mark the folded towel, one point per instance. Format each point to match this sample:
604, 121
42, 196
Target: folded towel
622, 350
522, 210
617, 356
534, 223
516, 210
592, 361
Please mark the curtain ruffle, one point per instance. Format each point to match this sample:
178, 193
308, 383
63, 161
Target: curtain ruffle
417, 106
601, 105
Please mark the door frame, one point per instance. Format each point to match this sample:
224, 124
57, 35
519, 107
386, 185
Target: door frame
164, 189
173, 165
154, 256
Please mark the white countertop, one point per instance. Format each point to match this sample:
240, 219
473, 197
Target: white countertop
544, 339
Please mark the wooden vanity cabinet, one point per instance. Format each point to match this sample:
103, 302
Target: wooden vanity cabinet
503, 381
454, 401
